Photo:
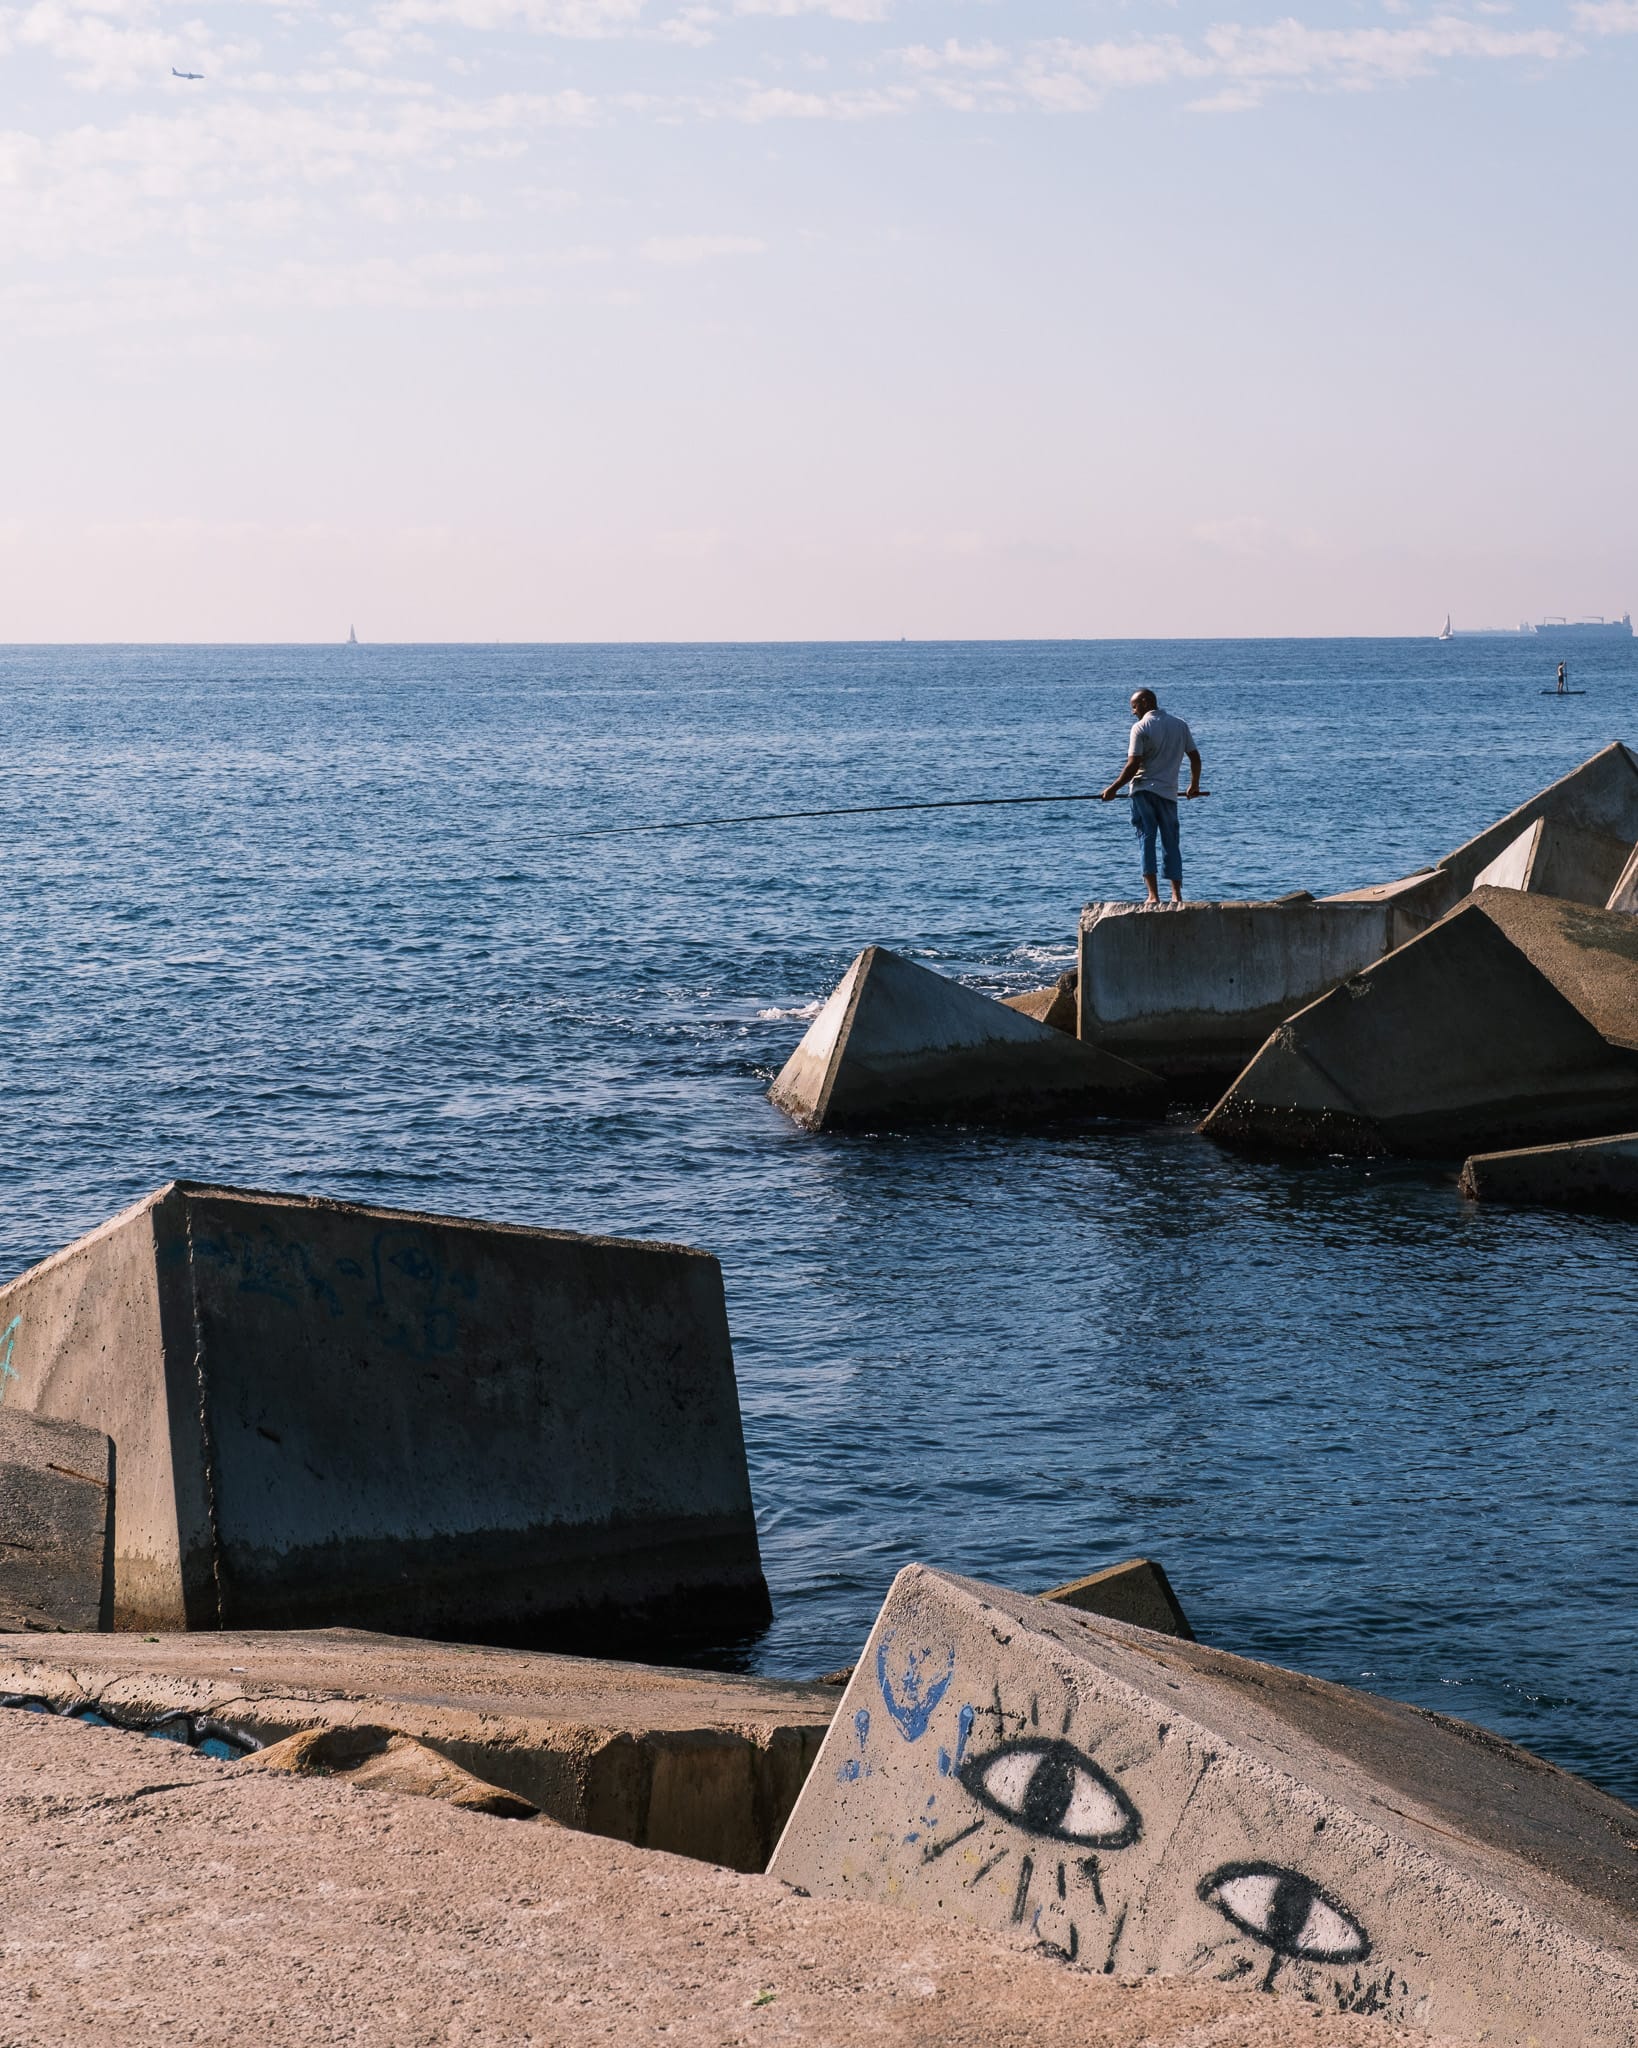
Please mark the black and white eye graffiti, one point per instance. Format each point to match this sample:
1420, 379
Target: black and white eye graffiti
1286, 1912
1051, 1788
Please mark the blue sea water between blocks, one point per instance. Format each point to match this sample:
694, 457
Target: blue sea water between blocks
306, 917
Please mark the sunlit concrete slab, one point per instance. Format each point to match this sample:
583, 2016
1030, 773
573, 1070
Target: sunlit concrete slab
701, 1763
1512, 867
149, 1903
1592, 1173
1512, 1021
1135, 1803
325, 1412
896, 1041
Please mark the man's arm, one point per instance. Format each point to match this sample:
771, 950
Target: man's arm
1194, 788
1125, 776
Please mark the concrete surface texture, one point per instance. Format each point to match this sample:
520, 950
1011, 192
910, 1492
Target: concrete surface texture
701, 1763
1592, 1173
1483, 1032
1137, 1591
56, 1525
1138, 1803
896, 1041
377, 1760
153, 1899
1589, 954
1192, 992
325, 1412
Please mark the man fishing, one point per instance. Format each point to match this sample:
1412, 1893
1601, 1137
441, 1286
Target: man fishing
1157, 749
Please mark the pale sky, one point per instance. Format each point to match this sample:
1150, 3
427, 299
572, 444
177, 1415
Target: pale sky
648, 319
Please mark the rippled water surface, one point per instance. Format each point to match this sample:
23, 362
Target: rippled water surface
304, 918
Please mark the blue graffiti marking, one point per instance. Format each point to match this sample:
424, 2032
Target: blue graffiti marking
8, 1337
964, 1728
911, 1696
853, 1769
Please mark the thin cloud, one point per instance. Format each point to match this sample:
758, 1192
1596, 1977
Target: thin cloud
678, 249
1607, 17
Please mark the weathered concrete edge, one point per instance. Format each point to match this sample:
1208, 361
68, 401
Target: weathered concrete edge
599, 1780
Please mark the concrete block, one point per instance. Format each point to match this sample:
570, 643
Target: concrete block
1056, 1006
1137, 1592
1192, 992
56, 1521
331, 1413
1459, 1040
1592, 819
897, 1042
700, 1763
1135, 1804
1592, 1173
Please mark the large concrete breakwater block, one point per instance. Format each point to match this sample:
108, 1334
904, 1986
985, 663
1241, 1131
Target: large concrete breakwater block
895, 1041
330, 1413
1511, 1021
1191, 992
1137, 1804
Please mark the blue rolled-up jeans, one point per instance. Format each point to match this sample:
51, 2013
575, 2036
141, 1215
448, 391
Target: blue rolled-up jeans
1152, 814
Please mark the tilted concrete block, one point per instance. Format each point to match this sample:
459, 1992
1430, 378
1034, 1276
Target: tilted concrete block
1136, 1591
1193, 991
895, 1041
56, 1519
1511, 1020
331, 1413
1592, 1173
1138, 1804
1055, 1006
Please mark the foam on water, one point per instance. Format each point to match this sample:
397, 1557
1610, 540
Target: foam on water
300, 918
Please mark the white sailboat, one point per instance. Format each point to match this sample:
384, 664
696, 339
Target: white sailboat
1447, 634
352, 637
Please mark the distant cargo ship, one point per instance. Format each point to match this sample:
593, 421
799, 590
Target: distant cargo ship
1553, 628
1557, 627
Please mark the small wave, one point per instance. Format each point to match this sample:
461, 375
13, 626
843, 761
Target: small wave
801, 1010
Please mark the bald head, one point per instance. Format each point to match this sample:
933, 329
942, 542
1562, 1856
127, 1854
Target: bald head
1143, 702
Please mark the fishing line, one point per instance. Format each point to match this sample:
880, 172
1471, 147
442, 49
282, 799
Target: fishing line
947, 803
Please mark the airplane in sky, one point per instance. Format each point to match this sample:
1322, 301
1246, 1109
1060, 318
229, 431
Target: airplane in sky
185, 74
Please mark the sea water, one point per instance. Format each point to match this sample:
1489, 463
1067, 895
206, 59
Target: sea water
316, 919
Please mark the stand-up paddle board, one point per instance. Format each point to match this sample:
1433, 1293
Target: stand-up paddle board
1561, 693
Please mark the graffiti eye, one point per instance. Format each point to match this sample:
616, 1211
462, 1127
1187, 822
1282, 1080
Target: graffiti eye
1286, 1912
1052, 1788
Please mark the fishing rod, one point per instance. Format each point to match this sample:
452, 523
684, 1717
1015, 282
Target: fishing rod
947, 803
